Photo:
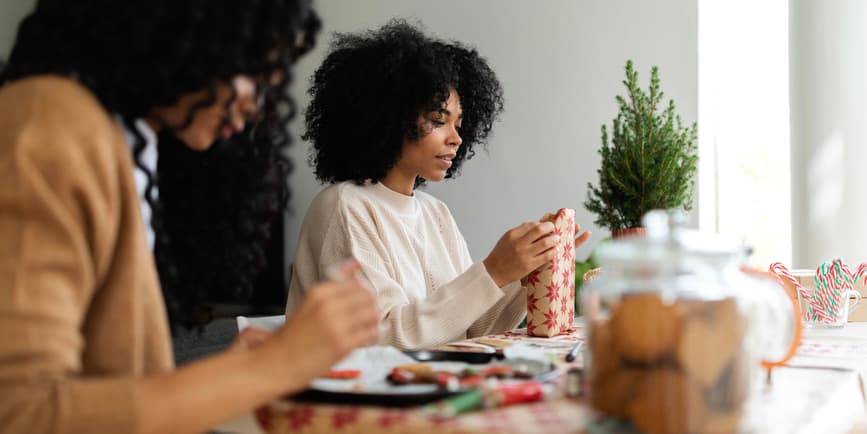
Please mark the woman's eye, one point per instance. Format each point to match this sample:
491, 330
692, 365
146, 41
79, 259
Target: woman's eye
437, 123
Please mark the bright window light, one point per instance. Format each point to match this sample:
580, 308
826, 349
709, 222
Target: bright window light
744, 172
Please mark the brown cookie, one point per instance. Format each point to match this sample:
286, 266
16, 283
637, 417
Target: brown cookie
644, 327
740, 380
610, 394
603, 349
730, 391
709, 339
666, 401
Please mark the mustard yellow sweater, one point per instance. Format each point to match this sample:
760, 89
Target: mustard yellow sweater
81, 313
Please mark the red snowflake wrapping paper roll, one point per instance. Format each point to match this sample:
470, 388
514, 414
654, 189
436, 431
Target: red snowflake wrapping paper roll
551, 289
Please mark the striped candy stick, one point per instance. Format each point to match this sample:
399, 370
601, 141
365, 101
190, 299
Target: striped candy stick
860, 273
824, 283
845, 284
848, 285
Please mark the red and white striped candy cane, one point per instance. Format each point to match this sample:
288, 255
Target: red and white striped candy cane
860, 273
833, 282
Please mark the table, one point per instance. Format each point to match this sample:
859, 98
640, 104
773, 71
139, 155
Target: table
821, 391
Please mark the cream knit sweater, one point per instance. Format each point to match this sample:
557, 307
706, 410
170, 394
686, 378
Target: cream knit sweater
429, 290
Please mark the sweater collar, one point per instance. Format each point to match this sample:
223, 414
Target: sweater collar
399, 202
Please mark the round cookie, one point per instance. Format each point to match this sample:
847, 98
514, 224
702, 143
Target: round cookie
667, 402
610, 394
644, 327
709, 340
603, 349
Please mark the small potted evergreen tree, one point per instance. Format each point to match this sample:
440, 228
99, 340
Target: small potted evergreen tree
650, 162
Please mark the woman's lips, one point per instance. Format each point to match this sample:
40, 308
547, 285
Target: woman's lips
446, 160
227, 130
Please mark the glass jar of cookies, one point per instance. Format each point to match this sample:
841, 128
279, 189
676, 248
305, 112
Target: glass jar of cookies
677, 332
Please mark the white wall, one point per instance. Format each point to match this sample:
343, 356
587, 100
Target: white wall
561, 65
11, 12
828, 73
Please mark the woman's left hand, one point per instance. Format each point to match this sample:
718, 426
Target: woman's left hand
580, 238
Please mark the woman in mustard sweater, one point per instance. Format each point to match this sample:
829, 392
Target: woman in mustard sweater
84, 342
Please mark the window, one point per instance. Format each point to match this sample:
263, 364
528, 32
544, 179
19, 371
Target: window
744, 164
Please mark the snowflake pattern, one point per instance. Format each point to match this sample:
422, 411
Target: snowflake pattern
554, 266
553, 292
533, 278
390, 418
299, 417
568, 254
551, 319
345, 416
531, 303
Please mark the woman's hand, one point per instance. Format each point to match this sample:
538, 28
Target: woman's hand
520, 251
250, 338
333, 319
580, 238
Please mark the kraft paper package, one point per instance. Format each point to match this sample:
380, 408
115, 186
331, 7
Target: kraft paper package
551, 289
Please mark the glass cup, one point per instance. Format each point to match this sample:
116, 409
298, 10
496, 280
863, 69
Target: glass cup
824, 309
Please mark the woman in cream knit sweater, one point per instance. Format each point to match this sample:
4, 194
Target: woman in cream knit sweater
392, 109
84, 342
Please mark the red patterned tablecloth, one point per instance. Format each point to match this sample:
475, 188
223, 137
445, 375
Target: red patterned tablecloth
555, 415
800, 401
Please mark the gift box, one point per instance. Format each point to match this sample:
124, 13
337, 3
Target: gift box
551, 288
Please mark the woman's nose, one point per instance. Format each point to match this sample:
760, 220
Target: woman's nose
454, 138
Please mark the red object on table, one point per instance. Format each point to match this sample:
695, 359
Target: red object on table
344, 374
514, 393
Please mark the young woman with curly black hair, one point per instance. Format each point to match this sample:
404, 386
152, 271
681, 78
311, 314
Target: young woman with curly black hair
84, 342
391, 109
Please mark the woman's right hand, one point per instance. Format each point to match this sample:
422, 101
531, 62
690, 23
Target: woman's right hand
520, 251
333, 319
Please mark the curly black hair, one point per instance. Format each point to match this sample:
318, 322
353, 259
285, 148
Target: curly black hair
135, 55
221, 208
371, 88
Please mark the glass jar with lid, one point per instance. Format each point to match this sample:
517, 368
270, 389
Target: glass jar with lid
677, 331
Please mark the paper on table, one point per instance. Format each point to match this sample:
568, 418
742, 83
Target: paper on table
263, 322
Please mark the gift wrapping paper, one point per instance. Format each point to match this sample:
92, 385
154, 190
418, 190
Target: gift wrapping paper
551, 288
